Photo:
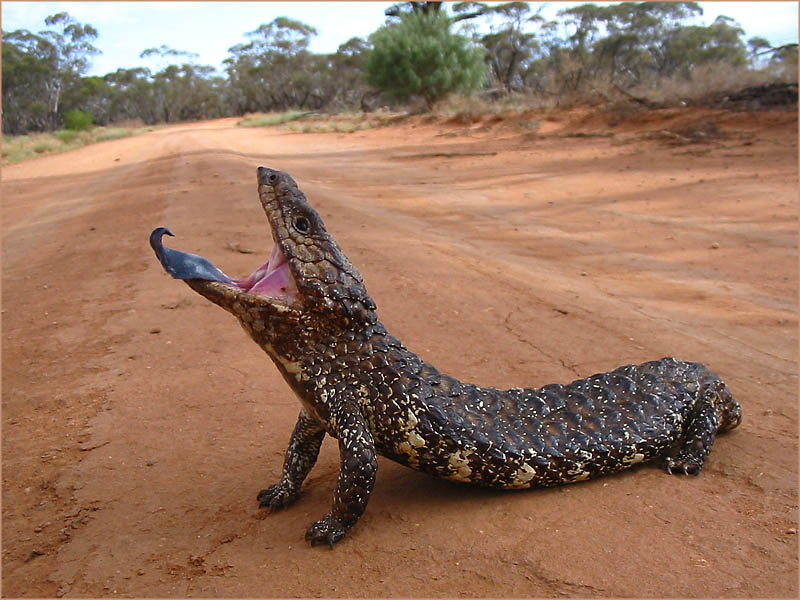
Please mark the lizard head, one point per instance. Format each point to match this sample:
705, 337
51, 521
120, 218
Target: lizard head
306, 280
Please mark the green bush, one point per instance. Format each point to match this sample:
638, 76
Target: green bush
420, 56
66, 135
78, 120
41, 147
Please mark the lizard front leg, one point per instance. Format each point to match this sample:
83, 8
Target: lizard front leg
300, 457
359, 465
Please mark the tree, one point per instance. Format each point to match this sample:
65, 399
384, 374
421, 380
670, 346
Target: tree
420, 56
622, 44
275, 70
164, 51
401, 9
509, 47
637, 38
690, 46
42, 68
177, 92
757, 47
783, 62
25, 76
463, 10
93, 96
185, 93
340, 79
131, 95
73, 47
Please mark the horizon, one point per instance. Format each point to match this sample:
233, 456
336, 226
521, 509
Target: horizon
154, 24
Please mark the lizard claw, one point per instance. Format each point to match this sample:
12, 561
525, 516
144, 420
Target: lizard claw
327, 530
686, 466
276, 497
691, 468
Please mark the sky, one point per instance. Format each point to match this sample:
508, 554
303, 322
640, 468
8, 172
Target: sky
210, 28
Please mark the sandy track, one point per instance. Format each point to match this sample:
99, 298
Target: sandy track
139, 422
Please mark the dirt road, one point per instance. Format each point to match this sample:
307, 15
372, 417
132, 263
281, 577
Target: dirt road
139, 422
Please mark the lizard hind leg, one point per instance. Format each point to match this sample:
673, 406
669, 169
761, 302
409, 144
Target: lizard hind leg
731, 412
715, 411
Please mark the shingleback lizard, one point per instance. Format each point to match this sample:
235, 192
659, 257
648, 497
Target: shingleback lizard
307, 307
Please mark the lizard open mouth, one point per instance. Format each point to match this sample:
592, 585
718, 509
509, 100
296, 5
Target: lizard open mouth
272, 280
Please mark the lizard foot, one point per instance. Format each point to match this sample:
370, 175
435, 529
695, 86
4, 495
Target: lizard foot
277, 496
685, 465
327, 530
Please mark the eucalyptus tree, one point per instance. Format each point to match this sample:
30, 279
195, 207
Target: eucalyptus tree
187, 92
349, 71
132, 95
511, 43
180, 90
623, 44
274, 70
39, 68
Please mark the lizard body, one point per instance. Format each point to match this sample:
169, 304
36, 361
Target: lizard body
307, 307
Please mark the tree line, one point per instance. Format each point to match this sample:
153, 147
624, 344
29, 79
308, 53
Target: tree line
424, 50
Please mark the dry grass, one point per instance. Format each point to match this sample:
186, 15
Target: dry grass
272, 119
17, 148
705, 83
464, 110
340, 123
343, 122
311, 122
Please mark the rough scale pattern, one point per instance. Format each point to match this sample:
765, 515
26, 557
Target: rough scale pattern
360, 385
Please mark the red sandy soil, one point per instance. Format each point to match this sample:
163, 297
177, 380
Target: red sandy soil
139, 422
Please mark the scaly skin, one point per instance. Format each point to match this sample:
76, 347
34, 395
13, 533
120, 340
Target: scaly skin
360, 385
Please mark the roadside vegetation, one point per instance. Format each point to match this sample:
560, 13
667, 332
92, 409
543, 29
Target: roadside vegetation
21, 147
428, 55
322, 122
273, 119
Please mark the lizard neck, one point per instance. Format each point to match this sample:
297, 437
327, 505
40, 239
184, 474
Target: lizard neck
320, 368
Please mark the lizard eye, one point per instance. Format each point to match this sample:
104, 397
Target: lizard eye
301, 224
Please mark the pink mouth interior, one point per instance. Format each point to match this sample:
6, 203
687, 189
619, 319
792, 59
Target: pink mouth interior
272, 279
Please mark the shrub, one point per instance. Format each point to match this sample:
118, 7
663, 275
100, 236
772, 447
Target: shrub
66, 135
273, 119
703, 83
420, 56
78, 120
112, 133
41, 147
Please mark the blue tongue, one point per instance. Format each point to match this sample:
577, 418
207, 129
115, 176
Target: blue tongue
182, 265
